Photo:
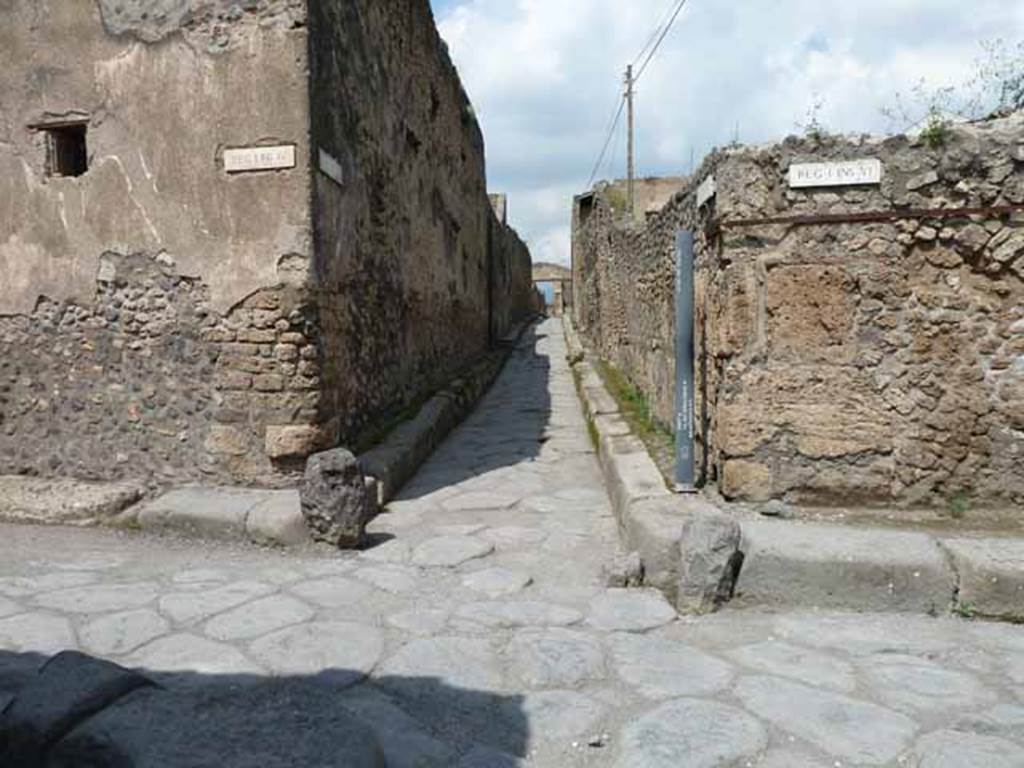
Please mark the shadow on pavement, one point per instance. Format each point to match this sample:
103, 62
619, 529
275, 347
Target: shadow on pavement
75, 711
508, 426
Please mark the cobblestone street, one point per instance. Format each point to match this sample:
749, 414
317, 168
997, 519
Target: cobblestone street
477, 630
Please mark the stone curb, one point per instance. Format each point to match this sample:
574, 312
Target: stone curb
572, 340
258, 516
394, 462
791, 563
650, 518
830, 566
991, 576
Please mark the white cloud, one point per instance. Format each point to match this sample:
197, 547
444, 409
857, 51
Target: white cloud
543, 76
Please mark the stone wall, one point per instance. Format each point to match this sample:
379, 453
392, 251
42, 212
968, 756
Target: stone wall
877, 361
163, 318
511, 287
411, 258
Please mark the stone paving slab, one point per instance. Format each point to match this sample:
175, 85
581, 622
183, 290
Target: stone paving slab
560, 673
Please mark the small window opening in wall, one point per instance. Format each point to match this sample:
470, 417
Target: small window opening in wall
66, 150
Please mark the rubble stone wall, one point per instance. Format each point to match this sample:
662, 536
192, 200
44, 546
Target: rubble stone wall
866, 362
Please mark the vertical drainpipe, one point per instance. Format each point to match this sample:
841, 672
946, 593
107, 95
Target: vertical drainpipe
685, 475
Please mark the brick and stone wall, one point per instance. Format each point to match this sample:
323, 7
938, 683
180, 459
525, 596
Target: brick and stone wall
161, 318
852, 362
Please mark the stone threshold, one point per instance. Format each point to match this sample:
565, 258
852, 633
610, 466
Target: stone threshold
791, 563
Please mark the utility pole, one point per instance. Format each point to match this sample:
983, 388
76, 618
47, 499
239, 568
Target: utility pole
631, 156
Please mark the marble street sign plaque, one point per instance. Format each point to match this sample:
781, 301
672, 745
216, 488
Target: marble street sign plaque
843, 174
243, 159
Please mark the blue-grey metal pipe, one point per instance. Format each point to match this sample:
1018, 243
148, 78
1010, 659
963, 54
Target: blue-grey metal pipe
685, 412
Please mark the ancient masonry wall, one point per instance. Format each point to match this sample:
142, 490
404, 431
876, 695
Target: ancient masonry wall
407, 242
161, 318
511, 285
868, 362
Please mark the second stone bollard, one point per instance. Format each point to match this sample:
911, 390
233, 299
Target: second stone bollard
337, 501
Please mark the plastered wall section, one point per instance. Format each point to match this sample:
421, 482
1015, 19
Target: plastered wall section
877, 363
145, 303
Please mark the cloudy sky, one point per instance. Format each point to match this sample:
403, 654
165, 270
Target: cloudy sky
544, 76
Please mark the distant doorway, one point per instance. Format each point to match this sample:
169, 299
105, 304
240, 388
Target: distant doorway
555, 284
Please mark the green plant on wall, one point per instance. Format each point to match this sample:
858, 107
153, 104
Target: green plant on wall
615, 198
635, 407
812, 127
958, 506
936, 131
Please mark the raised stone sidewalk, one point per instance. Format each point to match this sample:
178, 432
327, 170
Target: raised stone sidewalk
795, 563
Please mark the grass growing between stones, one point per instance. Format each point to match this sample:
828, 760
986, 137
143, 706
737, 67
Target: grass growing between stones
636, 410
595, 436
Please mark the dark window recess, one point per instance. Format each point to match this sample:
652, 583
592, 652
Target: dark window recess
586, 208
66, 152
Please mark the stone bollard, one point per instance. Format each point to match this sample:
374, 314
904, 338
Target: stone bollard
709, 563
337, 501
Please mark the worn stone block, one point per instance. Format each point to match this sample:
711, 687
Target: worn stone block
709, 562
33, 499
297, 441
812, 309
922, 180
653, 528
829, 411
747, 480
991, 576
832, 566
278, 520
212, 512
1010, 247
268, 383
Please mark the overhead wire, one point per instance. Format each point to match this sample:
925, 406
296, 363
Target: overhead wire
607, 142
649, 49
657, 30
661, 39
613, 158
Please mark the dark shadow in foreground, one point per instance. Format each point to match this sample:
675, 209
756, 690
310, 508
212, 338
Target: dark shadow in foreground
74, 711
